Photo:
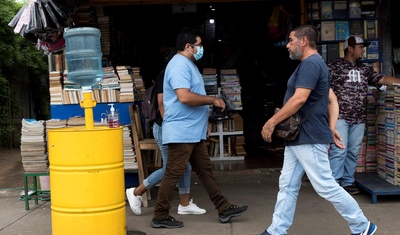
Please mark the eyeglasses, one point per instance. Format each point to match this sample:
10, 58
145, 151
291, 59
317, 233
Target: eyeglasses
194, 45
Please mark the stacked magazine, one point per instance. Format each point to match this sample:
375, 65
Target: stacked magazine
33, 146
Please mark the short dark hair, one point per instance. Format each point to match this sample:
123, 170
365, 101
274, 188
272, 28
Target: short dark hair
308, 31
186, 35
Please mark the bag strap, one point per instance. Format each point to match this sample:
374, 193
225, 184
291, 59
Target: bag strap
313, 107
311, 111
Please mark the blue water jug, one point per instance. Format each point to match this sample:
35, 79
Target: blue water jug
83, 53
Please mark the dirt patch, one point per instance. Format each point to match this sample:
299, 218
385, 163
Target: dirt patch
11, 170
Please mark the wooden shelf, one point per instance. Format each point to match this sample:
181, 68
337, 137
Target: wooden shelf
221, 134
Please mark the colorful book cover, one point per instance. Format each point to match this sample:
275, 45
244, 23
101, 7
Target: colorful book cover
373, 50
327, 30
342, 30
326, 10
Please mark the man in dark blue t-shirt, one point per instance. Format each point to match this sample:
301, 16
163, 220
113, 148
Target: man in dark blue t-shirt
308, 153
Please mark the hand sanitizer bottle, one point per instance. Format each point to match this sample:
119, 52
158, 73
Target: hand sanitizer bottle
113, 119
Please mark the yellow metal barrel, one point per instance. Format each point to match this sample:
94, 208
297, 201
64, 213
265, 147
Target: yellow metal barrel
87, 181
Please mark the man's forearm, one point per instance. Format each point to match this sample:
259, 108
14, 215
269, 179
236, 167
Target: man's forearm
333, 110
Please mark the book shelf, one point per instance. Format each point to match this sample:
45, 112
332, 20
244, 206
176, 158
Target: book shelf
338, 19
121, 86
226, 140
227, 146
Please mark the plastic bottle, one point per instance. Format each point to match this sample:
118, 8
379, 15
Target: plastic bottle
83, 54
113, 118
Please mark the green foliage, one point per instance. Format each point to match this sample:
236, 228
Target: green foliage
5, 115
16, 51
18, 56
8, 43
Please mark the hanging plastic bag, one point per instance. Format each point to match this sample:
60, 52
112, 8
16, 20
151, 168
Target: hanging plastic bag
13, 23
62, 10
47, 21
57, 20
35, 23
24, 19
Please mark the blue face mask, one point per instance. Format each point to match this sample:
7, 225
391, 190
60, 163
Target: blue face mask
199, 53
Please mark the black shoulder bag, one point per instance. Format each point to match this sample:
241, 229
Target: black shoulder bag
289, 128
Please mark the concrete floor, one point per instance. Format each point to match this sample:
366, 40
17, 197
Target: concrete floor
253, 182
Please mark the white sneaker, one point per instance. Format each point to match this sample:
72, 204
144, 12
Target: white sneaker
191, 209
134, 201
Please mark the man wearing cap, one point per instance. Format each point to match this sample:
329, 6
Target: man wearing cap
349, 81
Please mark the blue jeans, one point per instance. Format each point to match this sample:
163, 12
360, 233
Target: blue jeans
344, 161
313, 160
156, 177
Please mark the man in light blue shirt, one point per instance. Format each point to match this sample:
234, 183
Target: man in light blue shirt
185, 131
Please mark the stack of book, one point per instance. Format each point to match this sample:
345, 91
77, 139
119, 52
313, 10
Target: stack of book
55, 87
76, 121
367, 160
109, 86
230, 87
103, 24
387, 150
391, 129
370, 160
240, 151
33, 146
72, 92
126, 84
55, 123
381, 135
210, 81
138, 83
129, 154
110, 79
392, 165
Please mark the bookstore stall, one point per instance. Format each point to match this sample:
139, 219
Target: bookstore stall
245, 61
378, 162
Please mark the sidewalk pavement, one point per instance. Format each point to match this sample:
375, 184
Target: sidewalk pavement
256, 188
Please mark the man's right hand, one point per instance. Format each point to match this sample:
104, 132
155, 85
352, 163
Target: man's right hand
337, 139
219, 103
